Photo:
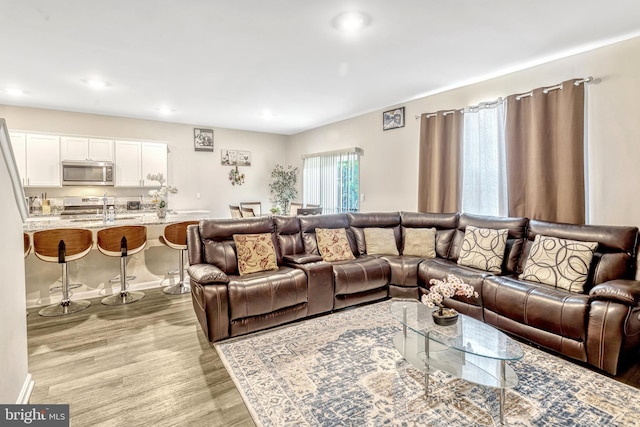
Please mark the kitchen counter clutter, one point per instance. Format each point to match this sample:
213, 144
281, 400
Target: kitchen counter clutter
95, 270
96, 221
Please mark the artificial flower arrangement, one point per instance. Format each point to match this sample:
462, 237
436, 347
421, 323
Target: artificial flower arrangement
160, 195
447, 288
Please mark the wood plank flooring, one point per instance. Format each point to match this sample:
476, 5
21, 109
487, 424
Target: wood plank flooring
143, 364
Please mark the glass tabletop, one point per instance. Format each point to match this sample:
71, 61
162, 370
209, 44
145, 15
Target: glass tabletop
467, 334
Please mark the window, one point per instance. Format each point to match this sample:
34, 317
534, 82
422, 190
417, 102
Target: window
332, 180
484, 174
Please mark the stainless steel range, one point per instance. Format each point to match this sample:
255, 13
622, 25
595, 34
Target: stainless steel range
90, 205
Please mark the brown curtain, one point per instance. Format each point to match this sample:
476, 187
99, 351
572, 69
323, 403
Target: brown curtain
440, 178
545, 154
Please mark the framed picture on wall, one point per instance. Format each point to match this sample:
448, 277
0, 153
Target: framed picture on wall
244, 158
393, 119
203, 139
235, 158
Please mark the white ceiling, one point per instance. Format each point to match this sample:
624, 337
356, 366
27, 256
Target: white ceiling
223, 63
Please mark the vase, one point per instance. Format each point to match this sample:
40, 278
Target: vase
161, 212
448, 316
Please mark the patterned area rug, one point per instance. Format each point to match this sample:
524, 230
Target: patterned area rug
343, 370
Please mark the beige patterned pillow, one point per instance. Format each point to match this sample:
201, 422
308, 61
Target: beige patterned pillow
420, 242
333, 244
483, 248
255, 253
559, 262
380, 241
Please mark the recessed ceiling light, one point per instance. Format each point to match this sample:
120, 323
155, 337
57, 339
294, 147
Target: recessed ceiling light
14, 91
351, 21
165, 110
97, 83
267, 115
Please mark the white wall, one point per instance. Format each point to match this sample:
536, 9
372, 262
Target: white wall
13, 325
389, 170
190, 171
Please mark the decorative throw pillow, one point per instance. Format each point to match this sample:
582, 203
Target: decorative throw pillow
559, 262
255, 253
380, 241
333, 244
483, 248
420, 242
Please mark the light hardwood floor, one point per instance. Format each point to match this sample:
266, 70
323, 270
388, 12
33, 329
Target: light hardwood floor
143, 364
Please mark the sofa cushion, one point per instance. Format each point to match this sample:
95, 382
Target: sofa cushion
559, 262
255, 253
483, 248
539, 306
380, 241
360, 275
420, 242
333, 244
266, 292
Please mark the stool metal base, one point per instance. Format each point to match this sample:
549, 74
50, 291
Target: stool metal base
123, 298
63, 308
180, 288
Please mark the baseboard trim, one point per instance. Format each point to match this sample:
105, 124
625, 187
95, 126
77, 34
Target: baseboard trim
25, 393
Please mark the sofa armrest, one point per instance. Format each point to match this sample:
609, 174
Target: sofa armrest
298, 259
206, 274
624, 291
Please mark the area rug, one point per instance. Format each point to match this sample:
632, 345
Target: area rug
343, 370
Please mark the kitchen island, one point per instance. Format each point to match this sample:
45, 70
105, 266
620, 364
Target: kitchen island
95, 270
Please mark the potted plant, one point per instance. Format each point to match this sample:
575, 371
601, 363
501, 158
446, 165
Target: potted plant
160, 196
446, 288
283, 186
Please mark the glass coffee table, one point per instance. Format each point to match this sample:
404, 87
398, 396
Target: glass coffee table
469, 349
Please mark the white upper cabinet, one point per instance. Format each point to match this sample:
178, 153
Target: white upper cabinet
42, 161
19, 145
91, 149
154, 160
134, 160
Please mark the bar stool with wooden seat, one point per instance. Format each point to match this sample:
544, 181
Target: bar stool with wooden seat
27, 244
62, 245
122, 242
175, 237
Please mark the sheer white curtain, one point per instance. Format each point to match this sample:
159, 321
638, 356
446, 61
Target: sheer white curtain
332, 180
484, 172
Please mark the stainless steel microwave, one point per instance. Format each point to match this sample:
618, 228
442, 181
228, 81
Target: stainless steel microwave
87, 173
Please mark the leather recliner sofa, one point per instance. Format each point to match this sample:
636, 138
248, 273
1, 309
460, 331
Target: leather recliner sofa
600, 326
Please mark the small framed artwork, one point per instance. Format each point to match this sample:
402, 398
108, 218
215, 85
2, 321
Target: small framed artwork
393, 119
235, 158
243, 158
203, 139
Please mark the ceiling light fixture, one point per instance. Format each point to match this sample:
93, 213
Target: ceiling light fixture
14, 91
97, 83
267, 115
351, 21
165, 110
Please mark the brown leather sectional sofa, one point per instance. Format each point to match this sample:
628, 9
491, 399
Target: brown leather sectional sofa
600, 327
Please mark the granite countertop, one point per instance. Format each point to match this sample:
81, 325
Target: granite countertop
96, 221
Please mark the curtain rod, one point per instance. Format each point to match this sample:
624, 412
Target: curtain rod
518, 97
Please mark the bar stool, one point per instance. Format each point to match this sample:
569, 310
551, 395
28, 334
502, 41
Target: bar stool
175, 237
62, 245
27, 244
122, 242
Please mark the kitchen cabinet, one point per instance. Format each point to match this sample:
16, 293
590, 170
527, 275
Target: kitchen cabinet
19, 145
81, 149
134, 160
37, 158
